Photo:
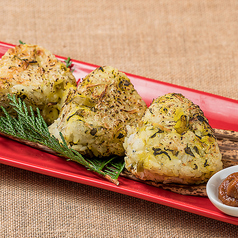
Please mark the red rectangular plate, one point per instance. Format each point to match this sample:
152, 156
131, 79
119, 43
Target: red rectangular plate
221, 112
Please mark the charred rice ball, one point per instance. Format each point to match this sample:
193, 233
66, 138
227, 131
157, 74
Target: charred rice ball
173, 143
36, 76
94, 117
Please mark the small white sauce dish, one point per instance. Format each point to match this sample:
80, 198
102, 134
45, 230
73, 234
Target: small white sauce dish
212, 190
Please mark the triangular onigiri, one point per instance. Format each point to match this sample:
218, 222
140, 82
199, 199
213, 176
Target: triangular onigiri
173, 143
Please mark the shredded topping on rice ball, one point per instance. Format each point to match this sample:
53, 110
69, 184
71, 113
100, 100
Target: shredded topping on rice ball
173, 143
94, 117
37, 77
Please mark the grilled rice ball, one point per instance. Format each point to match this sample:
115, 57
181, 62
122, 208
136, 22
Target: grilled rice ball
36, 76
173, 143
94, 117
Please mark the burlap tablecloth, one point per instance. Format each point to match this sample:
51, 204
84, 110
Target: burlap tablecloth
189, 43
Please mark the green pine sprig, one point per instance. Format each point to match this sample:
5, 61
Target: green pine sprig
21, 42
30, 127
69, 64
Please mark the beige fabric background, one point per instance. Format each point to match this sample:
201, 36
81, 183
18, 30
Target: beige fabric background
189, 43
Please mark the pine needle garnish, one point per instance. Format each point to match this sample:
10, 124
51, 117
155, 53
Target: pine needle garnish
69, 64
21, 42
30, 126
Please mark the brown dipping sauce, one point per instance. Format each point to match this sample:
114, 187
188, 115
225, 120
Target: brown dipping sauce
228, 190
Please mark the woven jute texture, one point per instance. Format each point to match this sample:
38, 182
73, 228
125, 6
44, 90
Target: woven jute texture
188, 43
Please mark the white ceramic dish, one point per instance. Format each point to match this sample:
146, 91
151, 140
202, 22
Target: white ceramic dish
212, 190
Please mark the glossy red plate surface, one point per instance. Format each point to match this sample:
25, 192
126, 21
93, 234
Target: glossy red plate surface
221, 112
